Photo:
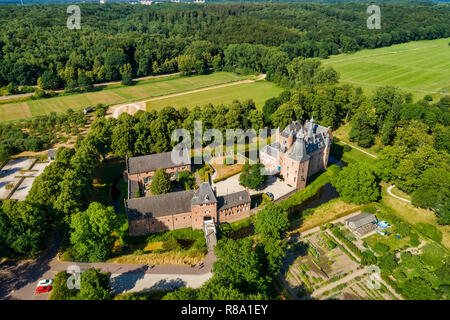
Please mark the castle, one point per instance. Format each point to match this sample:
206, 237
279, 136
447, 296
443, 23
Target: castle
299, 151
175, 210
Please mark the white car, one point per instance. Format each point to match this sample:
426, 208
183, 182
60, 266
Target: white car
45, 282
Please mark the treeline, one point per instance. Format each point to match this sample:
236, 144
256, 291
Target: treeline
120, 41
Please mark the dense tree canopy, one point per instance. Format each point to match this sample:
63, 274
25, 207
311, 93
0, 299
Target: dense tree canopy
91, 235
357, 183
35, 43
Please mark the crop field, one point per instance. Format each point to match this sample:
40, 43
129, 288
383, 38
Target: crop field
419, 67
114, 94
258, 91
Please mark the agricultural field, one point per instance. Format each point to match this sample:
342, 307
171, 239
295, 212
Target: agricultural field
114, 94
419, 67
258, 91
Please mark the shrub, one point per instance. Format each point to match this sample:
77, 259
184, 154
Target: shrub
171, 244
338, 234
347, 148
381, 248
60, 290
387, 263
322, 228
414, 240
429, 231
368, 258
402, 229
329, 225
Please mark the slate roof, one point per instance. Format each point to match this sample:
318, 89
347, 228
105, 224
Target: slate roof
159, 205
153, 162
361, 219
133, 189
204, 194
315, 137
299, 152
291, 129
233, 200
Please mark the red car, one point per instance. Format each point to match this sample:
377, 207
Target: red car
43, 289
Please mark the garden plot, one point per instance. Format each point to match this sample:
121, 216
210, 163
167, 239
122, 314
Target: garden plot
19, 176
37, 169
10, 179
319, 262
23, 189
357, 289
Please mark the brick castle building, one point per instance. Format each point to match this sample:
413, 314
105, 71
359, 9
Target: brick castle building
175, 210
299, 151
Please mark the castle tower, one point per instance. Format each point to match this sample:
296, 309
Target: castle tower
295, 165
203, 204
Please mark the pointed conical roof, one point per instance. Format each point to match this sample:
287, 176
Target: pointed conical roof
298, 152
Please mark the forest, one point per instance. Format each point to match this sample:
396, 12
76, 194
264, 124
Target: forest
117, 40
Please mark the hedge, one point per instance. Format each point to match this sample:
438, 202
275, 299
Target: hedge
302, 195
353, 248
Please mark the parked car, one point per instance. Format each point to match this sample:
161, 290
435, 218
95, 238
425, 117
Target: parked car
45, 282
2, 172
43, 289
270, 195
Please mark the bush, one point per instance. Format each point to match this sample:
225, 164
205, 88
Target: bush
414, 240
387, 263
60, 291
329, 225
429, 231
171, 244
338, 234
368, 258
381, 248
322, 228
347, 148
402, 229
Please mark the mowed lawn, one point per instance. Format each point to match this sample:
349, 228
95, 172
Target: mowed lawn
114, 94
419, 67
258, 91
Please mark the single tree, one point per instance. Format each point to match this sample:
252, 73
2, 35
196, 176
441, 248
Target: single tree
161, 183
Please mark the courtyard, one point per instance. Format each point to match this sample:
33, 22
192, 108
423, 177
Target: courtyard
274, 185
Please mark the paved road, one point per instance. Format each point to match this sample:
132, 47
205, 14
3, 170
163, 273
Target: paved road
18, 278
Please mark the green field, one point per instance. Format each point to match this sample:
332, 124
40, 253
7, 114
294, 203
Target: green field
258, 91
114, 94
419, 67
